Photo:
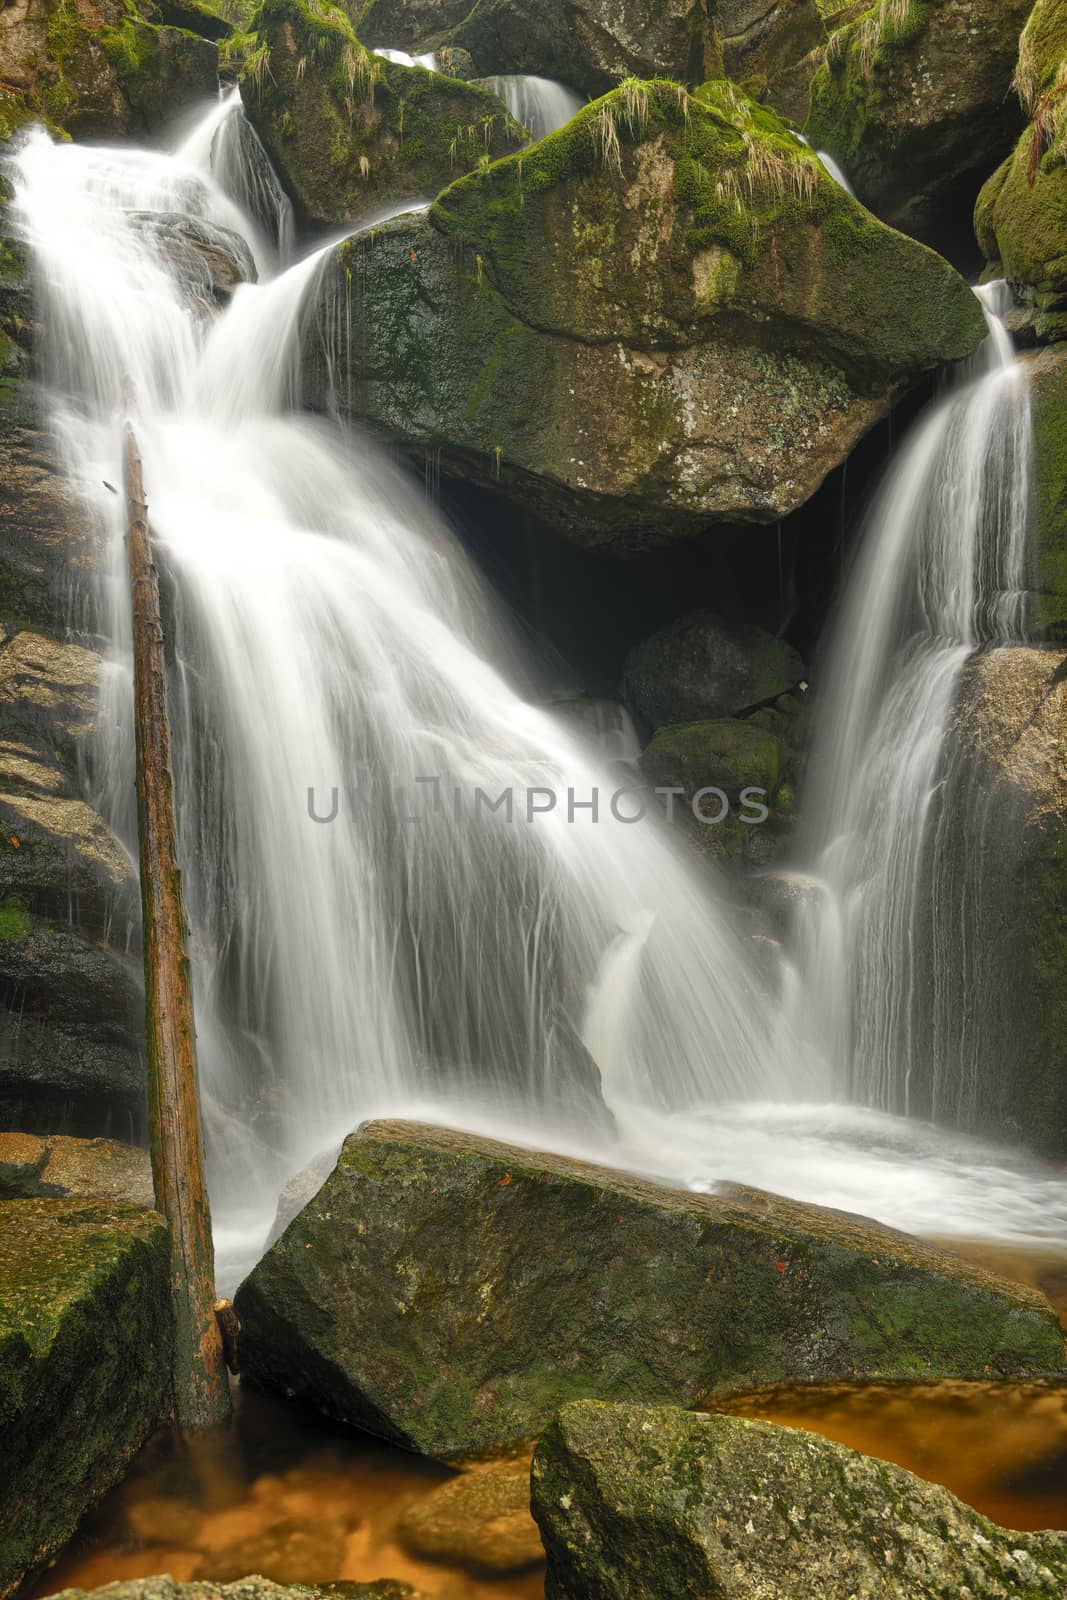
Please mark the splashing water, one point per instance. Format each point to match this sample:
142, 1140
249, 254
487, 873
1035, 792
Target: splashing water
836, 171
428, 61
540, 104
940, 574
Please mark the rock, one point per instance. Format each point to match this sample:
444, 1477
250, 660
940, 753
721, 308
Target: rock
79, 1168
97, 68
767, 45
1047, 374
586, 44
914, 100
210, 261
288, 1552
479, 1520
352, 134
450, 1292
745, 765
254, 1588
1021, 213
636, 1503
1012, 717
696, 355
85, 1337
701, 667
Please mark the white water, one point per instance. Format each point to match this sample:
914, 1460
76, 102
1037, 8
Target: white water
836, 171
402, 59
329, 634
540, 104
940, 574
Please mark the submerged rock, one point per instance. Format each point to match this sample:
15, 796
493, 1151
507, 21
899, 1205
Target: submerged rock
479, 1520
85, 1350
637, 1503
353, 134
209, 261
450, 1292
914, 99
585, 44
664, 314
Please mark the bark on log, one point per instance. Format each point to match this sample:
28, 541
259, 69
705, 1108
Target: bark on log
201, 1390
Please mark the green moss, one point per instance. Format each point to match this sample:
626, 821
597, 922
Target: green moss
1049, 541
14, 922
847, 90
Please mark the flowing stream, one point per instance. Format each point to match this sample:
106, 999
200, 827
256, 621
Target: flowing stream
401, 899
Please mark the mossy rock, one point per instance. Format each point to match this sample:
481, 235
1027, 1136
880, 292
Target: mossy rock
252, 1588
731, 780
700, 667
915, 102
99, 69
351, 133
769, 49
450, 1292
479, 1520
708, 322
85, 1359
58, 1166
1021, 224
586, 44
1047, 374
638, 1502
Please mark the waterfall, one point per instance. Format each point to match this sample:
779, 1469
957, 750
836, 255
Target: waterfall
836, 171
540, 104
894, 988
401, 899
401, 58
225, 144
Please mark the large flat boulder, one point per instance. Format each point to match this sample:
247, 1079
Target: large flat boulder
85, 1354
31, 1167
638, 1503
450, 1292
915, 101
251, 1588
666, 314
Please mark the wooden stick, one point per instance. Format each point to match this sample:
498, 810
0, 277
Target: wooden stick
201, 1391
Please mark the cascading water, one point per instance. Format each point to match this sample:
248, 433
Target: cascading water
540, 104
940, 575
328, 635
420, 948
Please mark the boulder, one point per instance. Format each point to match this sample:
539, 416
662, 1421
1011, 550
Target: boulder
707, 321
701, 667
254, 1588
636, 1503
747, 766
209, 261
352, 134
913, 98
1012, 718
31, 1167
480, 1520
97, 68
1021, 215
85, 1353
586, 44
1047, 373
449, 1292
767, 45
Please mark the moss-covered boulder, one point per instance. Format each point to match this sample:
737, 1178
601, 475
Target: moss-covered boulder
450, 1292
664, 314
769, 47
1047, 374
85, 1352
586, 44
914, 99
701, 666
636, 1503
732, 783
1021, 215
1012, 718
351, 133
97, 68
